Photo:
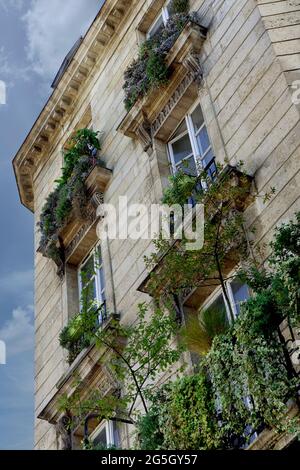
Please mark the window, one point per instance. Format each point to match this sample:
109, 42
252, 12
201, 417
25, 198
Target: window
105, 435
190, 148
91, 278
161, 20
237, 293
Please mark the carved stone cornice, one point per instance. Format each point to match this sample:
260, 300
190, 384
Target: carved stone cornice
60, 104
148, 117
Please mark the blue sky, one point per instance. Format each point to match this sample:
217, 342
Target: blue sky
35, 35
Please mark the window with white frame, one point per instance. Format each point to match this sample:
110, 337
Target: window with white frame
105, 435
190, 148
161, 20
237, 291
92, 282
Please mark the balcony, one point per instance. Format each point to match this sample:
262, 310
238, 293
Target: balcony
86, 373
77, 235
194, 294
158, 113
76, 336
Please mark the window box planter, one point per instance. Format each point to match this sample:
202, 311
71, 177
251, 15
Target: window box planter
77, 334
79, 230
147, 116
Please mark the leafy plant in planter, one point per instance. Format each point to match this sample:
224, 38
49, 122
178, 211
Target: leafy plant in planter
179, 6
149, 70
70, 192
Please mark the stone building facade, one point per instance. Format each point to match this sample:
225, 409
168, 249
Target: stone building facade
241, 68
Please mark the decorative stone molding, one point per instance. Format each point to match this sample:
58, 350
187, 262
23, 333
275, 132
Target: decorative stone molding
192, 63
61, 102
63, 433
156, 114
144, 134
172, 103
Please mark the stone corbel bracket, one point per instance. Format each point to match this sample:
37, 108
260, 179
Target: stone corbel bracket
192, 63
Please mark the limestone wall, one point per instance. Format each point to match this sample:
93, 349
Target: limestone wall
250, 116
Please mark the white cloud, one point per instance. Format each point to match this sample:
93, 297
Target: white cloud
18, 331
52, 27
10, 70
5, 68
15, 4
18, 285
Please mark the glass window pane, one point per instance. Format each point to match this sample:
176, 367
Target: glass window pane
208, 158
101, 438
188, 166
156, 27
170, 7
197, 118
98, 257
182, 148
203, 140
209, 165
240, 293
102, 280
90, 292
87, 271
180, 129
215, 316
218, 304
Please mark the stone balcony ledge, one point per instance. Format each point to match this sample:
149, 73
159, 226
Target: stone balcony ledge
86, 371
78, 235
191, 296
158, 113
